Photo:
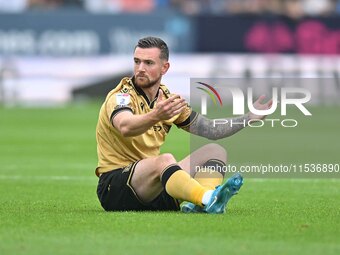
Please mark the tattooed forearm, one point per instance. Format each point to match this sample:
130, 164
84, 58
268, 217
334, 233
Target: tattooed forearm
214, 130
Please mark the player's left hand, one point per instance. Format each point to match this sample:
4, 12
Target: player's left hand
166, 108
260, 105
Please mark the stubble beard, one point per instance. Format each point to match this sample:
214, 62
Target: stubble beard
148, 83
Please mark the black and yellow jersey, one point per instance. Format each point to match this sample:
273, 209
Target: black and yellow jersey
115, 151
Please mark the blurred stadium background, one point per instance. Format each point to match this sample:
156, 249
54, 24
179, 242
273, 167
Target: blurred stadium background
59, 58
55, 51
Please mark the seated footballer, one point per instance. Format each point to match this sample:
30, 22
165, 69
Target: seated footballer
133, 123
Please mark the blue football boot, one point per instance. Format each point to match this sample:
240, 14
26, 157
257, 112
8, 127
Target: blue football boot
223, 193
188, 207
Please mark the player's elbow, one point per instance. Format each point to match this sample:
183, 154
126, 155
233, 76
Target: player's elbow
125, 131
212, 137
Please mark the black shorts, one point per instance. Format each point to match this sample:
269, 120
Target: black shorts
115, 193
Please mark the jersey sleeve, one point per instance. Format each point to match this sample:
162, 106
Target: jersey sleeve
118, 102
186, 117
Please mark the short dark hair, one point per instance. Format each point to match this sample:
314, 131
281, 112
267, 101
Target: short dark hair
154, 42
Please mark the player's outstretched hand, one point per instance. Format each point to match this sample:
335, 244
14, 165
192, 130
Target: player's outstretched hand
260, 105
167, 108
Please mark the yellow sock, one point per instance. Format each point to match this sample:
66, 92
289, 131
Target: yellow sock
181, 186
209, 179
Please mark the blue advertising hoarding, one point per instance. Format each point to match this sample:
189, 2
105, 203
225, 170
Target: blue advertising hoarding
76, 33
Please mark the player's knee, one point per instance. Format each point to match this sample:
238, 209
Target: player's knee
216, 151
165, 160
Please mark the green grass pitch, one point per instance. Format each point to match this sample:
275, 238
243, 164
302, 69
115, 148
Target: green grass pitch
48, 202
